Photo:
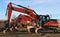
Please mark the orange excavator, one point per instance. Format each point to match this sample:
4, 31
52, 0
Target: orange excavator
43, 20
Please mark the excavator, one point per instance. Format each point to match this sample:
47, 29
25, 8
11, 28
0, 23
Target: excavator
43, 20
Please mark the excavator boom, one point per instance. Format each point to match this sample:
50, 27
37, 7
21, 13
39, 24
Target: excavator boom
25, 10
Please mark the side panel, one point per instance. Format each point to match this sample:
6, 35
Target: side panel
51, 23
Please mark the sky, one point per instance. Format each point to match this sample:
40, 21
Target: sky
41, 7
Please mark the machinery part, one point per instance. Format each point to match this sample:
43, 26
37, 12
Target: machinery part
23, 19
58, 28
28, 11
48, 30
36, 31
4, 31
11, 29
29, 28
32, 30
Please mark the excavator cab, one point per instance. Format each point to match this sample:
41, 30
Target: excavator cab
43, 19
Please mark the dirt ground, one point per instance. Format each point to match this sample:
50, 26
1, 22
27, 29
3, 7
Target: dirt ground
30, 35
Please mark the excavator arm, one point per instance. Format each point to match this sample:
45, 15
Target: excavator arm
23, 19
25, 10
